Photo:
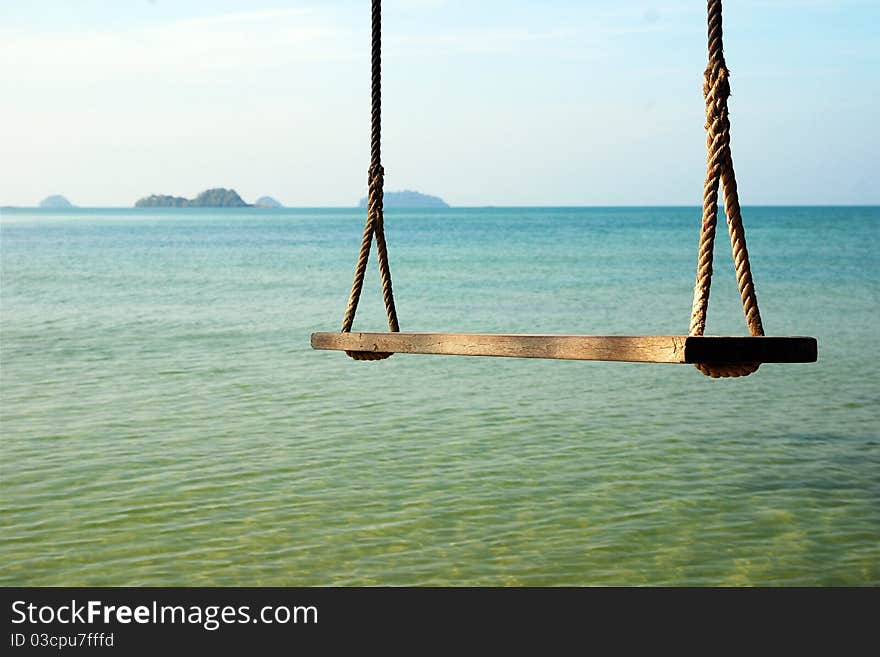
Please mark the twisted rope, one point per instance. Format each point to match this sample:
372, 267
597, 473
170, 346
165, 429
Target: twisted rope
719, 169
375, 224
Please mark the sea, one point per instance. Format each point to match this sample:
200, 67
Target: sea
164, 420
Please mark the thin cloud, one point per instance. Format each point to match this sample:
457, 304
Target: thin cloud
240, 42
240, 17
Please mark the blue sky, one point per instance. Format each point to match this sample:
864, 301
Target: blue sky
486, 103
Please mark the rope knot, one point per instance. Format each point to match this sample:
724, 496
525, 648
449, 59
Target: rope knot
716, 82
376, 171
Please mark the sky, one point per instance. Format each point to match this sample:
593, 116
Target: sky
550, 102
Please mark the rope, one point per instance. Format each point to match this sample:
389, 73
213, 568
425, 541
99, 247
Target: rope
719, 169
375, 224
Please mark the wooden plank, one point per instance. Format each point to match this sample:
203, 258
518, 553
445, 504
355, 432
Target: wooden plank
632, 348
646, 349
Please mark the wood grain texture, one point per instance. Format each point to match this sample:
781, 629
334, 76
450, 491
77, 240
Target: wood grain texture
632, 348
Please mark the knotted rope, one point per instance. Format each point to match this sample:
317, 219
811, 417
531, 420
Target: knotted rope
375, 224
716, 89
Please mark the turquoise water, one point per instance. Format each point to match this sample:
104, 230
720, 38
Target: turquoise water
164, 421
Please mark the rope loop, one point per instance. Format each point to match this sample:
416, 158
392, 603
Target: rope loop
375, 223
720, 173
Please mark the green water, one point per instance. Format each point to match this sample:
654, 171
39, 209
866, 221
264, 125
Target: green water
164, 421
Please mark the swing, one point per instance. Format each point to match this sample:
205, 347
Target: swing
715, 356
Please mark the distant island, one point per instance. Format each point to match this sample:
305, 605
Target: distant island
56, 201
218, 197
267, 202
409, 199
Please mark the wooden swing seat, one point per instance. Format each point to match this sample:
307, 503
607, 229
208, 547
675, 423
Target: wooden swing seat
680, 349
715, 356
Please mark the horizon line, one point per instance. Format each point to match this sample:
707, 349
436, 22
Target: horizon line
451, 207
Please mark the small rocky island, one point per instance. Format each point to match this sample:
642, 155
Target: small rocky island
409, 199
218, 197
56, 201
267, 202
